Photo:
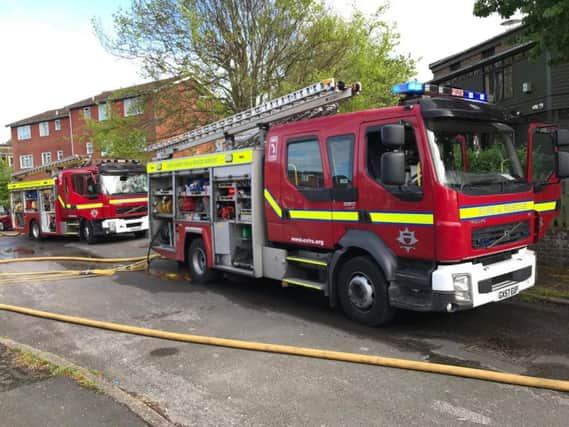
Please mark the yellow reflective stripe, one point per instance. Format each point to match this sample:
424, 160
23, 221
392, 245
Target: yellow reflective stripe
494, 210
89, 206
204, 161
345, 216
306, 261
296, 282
62, 203
545, 206
402, 218
135, 200
30, 184
272, 202
318, 215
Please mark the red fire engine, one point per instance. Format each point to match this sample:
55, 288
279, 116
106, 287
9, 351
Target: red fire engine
84, 198
429, 205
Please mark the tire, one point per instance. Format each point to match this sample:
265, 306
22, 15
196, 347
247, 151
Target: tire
362, 291
35, 230
140, 234
87, 232
197, 262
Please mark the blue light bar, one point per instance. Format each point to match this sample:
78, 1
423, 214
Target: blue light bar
409, 87
476, 96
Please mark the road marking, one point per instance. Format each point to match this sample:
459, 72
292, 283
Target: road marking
462, 414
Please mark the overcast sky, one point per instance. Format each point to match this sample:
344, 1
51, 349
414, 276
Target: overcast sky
51, 57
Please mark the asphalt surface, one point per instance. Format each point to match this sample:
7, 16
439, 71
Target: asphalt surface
35, 398
200, 385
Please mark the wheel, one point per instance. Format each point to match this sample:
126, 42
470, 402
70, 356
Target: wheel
35, 230
362, 290
87, 232
197, 261
140, 234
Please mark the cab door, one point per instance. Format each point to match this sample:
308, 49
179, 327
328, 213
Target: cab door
304, 194
540, 172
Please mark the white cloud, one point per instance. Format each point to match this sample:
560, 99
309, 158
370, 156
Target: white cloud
431, 30
53, 63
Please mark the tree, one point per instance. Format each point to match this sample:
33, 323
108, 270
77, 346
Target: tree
545, 22
246, 51
5, 171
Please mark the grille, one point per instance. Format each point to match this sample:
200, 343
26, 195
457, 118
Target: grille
499, 282
131, 210
489, 237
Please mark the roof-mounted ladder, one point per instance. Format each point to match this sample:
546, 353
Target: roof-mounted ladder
67, 162
309, 98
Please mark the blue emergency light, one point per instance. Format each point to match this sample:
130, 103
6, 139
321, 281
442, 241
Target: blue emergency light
417, 88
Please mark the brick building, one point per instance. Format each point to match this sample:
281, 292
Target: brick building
6, 153
162, 109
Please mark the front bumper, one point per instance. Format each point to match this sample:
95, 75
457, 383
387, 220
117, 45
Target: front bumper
124, 225
487, 283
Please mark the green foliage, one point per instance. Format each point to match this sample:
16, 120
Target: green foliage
545, 21
118, 137
5, 172
246, 52
491, 159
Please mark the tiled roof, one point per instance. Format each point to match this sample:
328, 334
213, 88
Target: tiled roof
128, 92
42, 117
123, 93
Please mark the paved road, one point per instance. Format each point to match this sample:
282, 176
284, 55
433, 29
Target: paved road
214, 386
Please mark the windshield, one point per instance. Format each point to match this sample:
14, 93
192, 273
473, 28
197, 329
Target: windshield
475, 157
124, 184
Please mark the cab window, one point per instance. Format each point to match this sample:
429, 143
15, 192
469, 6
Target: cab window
304, 164
341, 158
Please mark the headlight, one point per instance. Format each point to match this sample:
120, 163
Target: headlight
113, 226
462, 287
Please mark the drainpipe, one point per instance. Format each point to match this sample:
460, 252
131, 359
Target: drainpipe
71, 133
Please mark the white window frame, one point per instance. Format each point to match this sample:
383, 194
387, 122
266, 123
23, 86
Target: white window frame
23, 160
103, 111
57, 124
45, 157
10, 160
89, 147
86, 113
133, 106
43, 128
59, 154
24, 132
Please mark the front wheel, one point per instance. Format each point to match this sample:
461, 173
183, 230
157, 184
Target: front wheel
197, 261
362, 290
35, 230
88, 233
140, 234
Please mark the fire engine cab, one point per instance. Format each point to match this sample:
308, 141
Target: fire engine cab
429, 205
83, 198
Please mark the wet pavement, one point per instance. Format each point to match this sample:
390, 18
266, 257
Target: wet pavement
209, 386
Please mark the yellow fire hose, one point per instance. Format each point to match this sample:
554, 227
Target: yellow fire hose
136, 264
139, 263
436, 368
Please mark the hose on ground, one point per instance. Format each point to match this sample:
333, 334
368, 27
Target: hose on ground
436, 368
136, 264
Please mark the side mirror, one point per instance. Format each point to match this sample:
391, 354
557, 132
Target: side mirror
562, 137
562, 165
393, 168
393, 136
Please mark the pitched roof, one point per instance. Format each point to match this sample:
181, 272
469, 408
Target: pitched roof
42, 117
124, 93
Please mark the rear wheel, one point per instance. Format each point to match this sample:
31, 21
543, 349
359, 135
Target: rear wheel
35, 230
87, 232
363, 292
197, 261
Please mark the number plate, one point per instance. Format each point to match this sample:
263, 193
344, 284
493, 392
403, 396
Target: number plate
508, 292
